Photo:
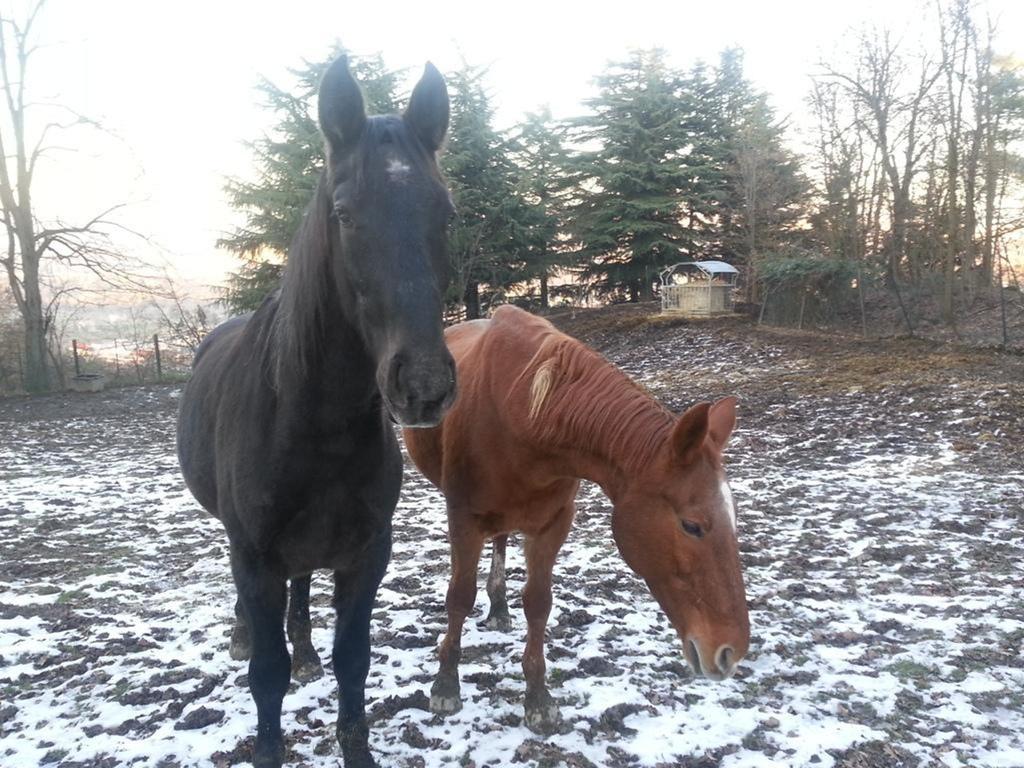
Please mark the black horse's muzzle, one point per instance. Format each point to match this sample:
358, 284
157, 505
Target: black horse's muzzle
419, 389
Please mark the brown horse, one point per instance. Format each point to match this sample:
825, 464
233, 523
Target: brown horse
537, 411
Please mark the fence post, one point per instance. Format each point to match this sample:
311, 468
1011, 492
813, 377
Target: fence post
1002, 301
156, 347
74, 349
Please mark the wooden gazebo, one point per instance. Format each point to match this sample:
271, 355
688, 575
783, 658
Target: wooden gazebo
698, 288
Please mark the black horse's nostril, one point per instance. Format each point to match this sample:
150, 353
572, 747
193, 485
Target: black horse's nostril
394, 382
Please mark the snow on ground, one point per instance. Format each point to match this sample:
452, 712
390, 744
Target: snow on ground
881, 527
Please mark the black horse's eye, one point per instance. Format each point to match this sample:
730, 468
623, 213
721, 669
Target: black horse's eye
692, 529
344, 215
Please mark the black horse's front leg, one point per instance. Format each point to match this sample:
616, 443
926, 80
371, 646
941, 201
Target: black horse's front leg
306, 664
354, 594
262, 593
241, 644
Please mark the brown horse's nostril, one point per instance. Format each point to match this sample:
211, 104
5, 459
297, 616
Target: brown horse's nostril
725, 659
693, 656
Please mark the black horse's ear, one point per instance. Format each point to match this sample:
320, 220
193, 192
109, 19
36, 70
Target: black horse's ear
427, 113
340, 103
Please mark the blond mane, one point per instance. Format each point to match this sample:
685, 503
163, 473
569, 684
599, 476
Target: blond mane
580, 400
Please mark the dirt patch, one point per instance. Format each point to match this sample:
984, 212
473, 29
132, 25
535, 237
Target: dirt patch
879, 491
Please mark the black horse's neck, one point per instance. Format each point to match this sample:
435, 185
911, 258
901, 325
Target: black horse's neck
311, 335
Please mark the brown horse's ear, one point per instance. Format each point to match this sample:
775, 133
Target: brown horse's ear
340, 106
722, 421
427, 113
689, 433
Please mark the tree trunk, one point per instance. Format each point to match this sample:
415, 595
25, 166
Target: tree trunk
646, 290
544, 290
37, 378
471, 298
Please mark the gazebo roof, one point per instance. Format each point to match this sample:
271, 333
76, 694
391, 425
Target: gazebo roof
711, 267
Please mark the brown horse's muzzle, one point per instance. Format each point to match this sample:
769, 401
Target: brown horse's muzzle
712, 660
713, 643
418, 389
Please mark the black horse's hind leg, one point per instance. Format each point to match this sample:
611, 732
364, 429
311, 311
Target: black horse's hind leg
262, 593
306, 664
241, 643
354, 593
498, 617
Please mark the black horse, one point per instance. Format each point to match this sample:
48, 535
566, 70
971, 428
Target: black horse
284, 432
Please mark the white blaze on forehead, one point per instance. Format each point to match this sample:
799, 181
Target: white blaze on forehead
398, 169
730, 507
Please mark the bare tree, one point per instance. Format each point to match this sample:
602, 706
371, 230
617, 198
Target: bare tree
894, 110
186, 323
954, 33
31, 244
10, 344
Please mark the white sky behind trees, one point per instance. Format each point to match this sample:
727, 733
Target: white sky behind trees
173, 83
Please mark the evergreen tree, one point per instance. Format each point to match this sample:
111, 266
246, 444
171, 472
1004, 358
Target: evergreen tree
627, 219
542, 183
485, 240
761, 191
289, 160
704, 162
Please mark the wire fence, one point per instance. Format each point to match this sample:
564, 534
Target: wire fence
91, 366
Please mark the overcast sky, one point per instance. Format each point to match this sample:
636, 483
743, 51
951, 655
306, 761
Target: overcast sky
172, 82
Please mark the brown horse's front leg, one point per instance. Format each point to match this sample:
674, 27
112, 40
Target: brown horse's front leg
445, 696
497, 617
542, 715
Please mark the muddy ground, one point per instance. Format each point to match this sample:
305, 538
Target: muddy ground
880, 489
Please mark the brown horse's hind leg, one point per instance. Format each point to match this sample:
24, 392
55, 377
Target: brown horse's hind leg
497, 617
542, 715
445, 696
241, 643
306, 664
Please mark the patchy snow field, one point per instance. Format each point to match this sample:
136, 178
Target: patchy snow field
881, 503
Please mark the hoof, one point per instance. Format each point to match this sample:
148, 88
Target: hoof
268, 754
307, 668
445, 705
500, 622
543, 716
355, 749
361, 759
241, 648
445, 698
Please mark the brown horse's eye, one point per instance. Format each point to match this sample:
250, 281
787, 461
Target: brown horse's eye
692, 529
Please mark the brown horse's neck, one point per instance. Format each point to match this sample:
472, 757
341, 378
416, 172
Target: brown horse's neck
594, 420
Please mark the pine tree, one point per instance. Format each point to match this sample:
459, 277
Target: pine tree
484, 242
627, 219
288, 161
761, 191
705, 163
542, 183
